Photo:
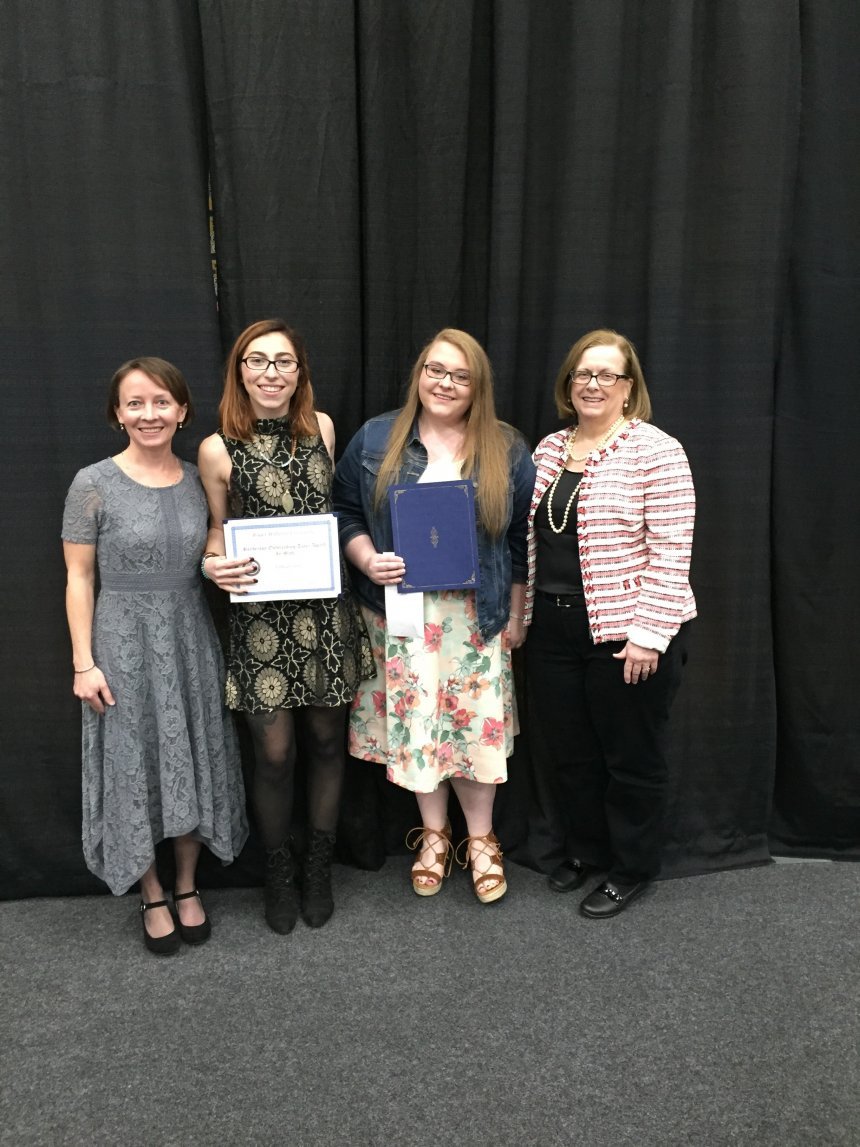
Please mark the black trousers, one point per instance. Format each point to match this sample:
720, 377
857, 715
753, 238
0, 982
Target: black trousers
597, 744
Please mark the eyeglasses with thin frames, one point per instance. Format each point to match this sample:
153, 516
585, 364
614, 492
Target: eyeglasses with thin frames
437, 372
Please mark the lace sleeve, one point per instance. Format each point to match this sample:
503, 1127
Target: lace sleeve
83, 511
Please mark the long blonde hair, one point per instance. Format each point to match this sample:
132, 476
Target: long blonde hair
487, 443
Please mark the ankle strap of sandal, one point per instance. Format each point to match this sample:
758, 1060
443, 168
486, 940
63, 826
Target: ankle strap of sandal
489, 847
185, 895
444, 852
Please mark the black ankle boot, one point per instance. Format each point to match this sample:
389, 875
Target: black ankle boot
281, 894
317, 902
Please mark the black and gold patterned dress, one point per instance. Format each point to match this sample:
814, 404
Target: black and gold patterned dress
284, 654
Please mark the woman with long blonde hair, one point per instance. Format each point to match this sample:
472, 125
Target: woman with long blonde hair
439, 714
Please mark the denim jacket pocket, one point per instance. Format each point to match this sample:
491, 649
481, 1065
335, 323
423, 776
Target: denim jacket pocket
371, 462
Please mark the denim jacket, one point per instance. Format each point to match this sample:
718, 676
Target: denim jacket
502, 559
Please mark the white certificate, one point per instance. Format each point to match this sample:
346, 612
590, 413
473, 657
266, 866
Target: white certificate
298, 556
404, 612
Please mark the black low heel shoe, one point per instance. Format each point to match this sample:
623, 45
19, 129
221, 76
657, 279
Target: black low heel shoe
570, 875
611, 898
160, 945
193, 933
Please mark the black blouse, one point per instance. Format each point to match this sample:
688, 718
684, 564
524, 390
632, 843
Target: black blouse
558, 568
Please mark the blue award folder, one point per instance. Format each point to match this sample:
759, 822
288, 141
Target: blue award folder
435, 534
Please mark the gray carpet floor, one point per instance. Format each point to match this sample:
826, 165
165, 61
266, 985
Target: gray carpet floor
717, 1010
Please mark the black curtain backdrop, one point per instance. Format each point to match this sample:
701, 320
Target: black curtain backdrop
815, 523
683, 171
105, 245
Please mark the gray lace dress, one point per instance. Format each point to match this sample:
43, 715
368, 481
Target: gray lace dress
164, 760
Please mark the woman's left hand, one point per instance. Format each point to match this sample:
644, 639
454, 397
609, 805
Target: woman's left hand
639, 663
516, 632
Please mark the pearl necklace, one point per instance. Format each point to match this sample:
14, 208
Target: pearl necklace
574, 458
560, 529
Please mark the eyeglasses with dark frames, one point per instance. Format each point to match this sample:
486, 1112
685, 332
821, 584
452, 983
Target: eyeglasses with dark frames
437, 372
604, 377
259, 362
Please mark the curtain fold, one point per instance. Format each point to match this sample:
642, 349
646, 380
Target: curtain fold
815, 523
104, 233
283, 124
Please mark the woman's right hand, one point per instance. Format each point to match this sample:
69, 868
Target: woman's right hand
384, 569
233, 575
93, 688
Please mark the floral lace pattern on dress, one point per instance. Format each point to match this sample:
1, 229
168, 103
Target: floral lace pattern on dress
164, 760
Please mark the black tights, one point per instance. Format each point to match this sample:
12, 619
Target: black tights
323, 736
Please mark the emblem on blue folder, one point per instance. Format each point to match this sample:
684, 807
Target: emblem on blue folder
435, 533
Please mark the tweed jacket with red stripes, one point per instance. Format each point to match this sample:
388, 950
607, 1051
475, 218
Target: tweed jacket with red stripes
635, 524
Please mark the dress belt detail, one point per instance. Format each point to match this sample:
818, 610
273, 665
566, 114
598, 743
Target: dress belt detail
157, 580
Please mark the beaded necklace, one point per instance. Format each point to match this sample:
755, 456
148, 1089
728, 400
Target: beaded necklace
560, 529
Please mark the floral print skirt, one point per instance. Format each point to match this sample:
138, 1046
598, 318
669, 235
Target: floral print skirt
440, 706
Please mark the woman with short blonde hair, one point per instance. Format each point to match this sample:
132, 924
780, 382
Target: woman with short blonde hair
608, 606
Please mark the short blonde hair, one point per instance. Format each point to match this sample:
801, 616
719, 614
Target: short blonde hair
639, 403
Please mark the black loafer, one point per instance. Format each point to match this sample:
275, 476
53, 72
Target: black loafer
610, 899
569, 875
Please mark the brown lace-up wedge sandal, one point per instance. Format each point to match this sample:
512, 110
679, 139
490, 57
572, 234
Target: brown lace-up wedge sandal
418, 839
488, 885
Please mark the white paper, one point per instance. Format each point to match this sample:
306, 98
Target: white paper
404, 612
298, 556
